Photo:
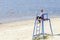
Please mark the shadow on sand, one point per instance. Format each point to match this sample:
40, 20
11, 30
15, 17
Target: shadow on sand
41, 37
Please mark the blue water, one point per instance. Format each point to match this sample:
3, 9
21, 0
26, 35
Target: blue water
12, 10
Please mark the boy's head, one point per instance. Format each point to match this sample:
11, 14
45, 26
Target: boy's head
41, 10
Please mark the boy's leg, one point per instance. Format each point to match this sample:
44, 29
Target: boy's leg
39, 21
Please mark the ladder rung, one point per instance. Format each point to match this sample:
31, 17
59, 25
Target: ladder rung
37, 30
37, 26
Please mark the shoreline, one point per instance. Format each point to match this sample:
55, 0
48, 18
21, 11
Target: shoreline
25, 21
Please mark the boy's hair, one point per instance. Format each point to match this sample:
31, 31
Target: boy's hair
41, 10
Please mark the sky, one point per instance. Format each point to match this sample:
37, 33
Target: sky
12, 9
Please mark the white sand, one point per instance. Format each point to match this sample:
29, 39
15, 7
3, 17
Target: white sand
22, 30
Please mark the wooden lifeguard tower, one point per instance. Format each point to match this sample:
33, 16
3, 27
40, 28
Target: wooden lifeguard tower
36, 30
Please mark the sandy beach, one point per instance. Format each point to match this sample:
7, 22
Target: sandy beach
22, 30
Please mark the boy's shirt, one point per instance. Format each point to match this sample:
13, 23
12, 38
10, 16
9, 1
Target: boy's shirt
40, 14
